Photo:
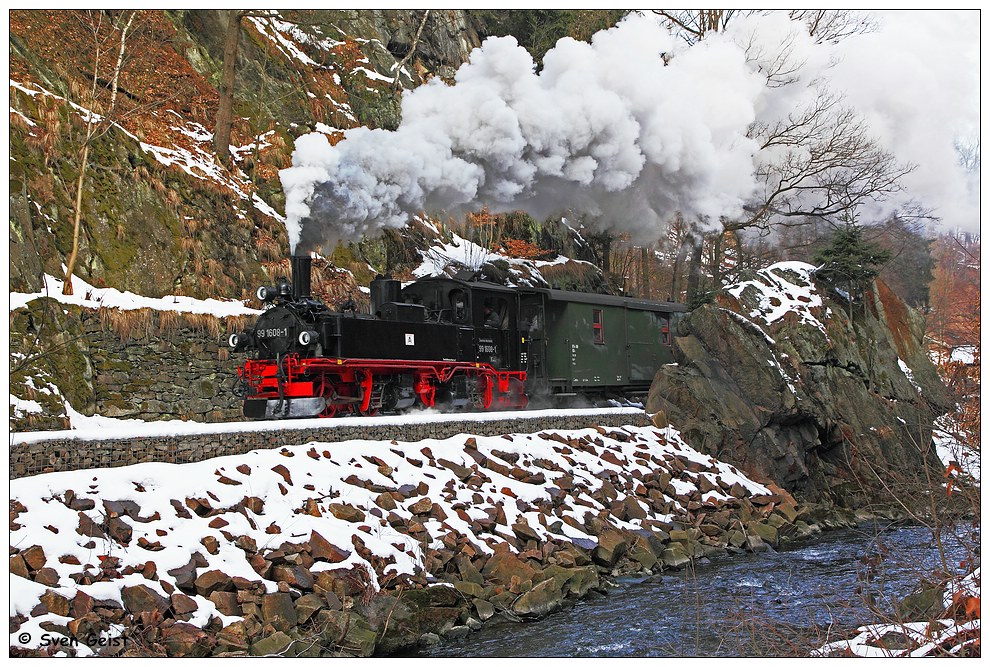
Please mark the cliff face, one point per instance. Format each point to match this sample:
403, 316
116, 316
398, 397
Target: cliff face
160, 213
777, 378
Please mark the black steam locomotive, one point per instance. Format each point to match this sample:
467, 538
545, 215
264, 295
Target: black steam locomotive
455, 343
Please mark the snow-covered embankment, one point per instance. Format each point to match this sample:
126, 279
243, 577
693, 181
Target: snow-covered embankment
353, 547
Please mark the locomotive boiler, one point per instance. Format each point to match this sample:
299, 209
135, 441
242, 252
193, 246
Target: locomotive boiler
452, 343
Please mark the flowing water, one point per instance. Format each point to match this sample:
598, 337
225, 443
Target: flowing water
780, 603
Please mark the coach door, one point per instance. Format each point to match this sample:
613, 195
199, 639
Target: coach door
532, 334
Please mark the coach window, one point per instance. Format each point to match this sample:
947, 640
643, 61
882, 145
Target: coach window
665, 329
598, 326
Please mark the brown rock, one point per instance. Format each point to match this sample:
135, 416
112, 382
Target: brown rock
122, 508
211, 544
88, 527
253, 503
322, 550
284, 472
78, 504
295, 575
183, 604
633, 509
421, 506
234, 637
260, 564
140, 598
277, 609
56, 603
184, 640
503, 565
385, 501
19, 567
82, 604
459, 471
150, 546
213, 580
345, 512
34, 557
611, 545
308, 605
47, 576
524, 531
226, 602
341, 583
86, 626
312, 507
185, 576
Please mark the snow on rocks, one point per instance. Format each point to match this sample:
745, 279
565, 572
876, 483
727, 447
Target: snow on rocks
780, 289
249, 553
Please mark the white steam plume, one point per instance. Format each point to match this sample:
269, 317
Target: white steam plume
605, 128
916, 80
609, 130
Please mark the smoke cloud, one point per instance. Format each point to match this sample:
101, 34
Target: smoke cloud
628, 129
916, 81
605, 129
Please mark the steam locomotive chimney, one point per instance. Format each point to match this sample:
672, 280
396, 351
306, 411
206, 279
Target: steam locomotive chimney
302, 266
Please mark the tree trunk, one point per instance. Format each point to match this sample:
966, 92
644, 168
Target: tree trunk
397, 83
694, 266
644, 287
120, 61
77, 221
676, 280
91, 132
225, 114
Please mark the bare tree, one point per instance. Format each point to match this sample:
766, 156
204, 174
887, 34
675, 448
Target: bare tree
834, 25
968, 150
693, 24
225, 112
96, 125
820, 162
412, 50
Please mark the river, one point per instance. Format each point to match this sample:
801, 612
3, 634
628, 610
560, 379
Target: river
782, 603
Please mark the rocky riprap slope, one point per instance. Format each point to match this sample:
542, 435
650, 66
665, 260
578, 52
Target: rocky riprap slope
366, 547
778, 379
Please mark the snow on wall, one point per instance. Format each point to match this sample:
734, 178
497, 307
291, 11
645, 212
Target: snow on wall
87, 296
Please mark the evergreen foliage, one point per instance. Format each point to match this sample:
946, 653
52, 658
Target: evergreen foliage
850, 262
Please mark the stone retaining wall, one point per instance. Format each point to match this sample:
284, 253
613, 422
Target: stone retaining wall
58, 454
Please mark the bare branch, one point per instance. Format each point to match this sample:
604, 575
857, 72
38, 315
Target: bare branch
412, 50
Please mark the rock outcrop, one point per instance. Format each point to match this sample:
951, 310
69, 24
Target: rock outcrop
778, 379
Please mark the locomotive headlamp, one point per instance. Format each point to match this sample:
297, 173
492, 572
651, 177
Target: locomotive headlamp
239, 341
306, 338
266, 293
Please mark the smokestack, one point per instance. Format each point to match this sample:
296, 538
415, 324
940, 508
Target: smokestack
302, 266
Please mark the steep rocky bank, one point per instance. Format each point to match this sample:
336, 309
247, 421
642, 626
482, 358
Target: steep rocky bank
777, 378
367, 547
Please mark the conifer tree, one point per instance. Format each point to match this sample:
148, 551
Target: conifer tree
850, 262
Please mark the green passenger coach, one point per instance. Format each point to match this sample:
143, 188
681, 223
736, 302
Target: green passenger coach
599, 344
